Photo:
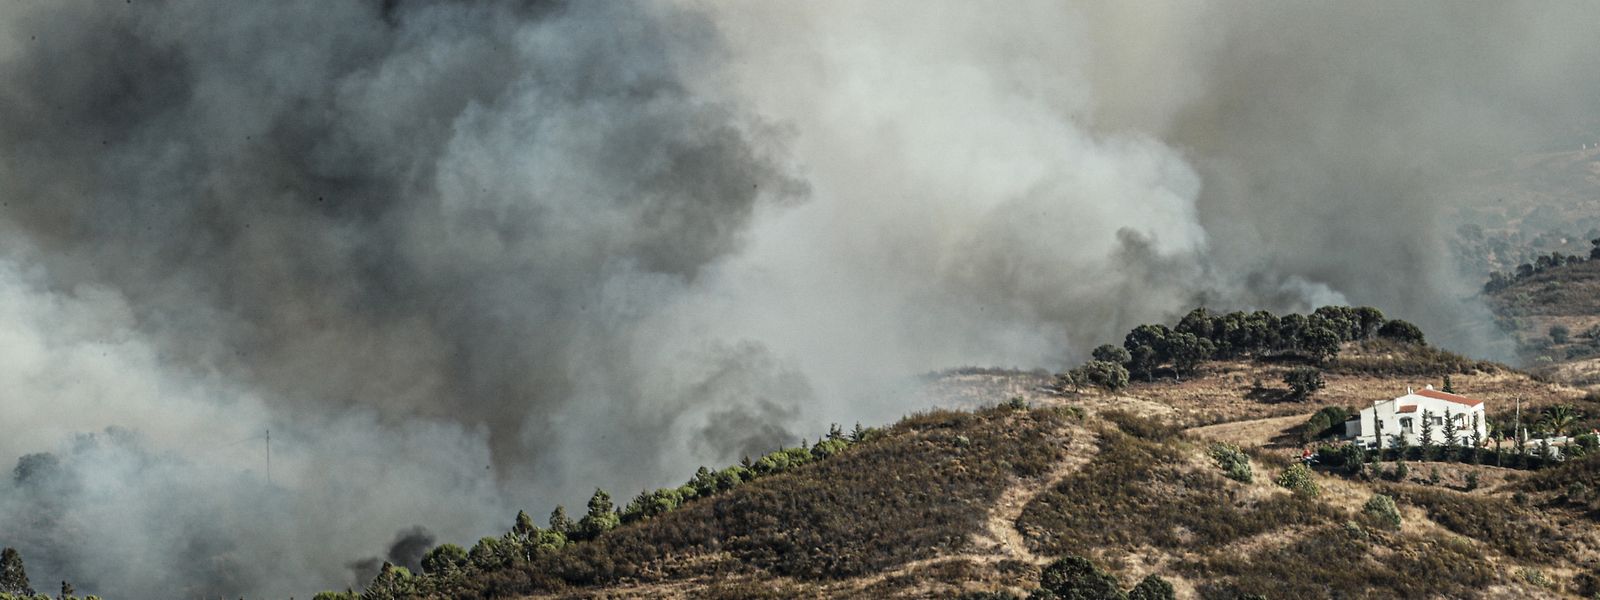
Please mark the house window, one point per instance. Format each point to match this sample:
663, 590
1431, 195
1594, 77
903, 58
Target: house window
1405, 424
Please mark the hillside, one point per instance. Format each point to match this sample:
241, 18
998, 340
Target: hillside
978, 503
1555, 316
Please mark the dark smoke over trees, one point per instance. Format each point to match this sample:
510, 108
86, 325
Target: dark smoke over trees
468, 258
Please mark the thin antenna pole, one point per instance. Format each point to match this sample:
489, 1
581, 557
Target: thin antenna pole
1517, 430
269, 457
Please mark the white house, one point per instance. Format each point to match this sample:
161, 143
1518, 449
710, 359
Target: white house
1404, 415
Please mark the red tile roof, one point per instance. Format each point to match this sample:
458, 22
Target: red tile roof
1406, 409
1447, 397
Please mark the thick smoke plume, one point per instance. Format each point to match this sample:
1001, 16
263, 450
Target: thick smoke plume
468, 258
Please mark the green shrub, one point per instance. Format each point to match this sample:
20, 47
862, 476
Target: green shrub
1472, 481
1577, 492
1233, 461
1076, 578
1380, 509
1324, 423
1299, 479
1302, 382
1152, 587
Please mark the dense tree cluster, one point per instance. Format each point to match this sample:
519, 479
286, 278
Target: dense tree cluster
1152, 349
1554, 260
447, 566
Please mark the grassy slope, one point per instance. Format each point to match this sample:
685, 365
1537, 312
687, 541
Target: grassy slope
950, 502
1568, 296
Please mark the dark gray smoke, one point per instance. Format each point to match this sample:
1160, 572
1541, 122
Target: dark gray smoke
468, 258
407, 550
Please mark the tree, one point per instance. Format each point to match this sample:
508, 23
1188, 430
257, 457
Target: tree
1187, 351
1303, 381
392, 582
1198, 323
1075, 578
1111, 353
1320, 343
1452, 437
524, 527
1109, 375
13, 577
1425, 440
1371, 320
560, 523
1152, 587
1477, 439
1560, 334
490, 553
1447, 388
1355, 459
1290, 329
444, 559
1146, 345
1560, 418
602, 515
1401, 331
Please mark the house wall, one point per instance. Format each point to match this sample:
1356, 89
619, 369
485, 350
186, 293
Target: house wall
1385, 412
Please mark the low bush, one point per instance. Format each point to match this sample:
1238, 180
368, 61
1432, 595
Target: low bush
1381, 511
1299, 479
1233, 462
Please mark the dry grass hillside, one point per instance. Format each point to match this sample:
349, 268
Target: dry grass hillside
973, 503
976, 503
1555, 317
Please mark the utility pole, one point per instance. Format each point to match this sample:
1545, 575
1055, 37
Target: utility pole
269, 457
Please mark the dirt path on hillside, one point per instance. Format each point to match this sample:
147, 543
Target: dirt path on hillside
1256, 433
999, 540
1000, 536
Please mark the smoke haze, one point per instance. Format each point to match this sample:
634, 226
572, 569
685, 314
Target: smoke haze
468, 258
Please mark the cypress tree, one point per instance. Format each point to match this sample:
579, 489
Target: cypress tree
1451, 436
1426, 441
1477, 438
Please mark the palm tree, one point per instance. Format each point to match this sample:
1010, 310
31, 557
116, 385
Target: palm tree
1560, 418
